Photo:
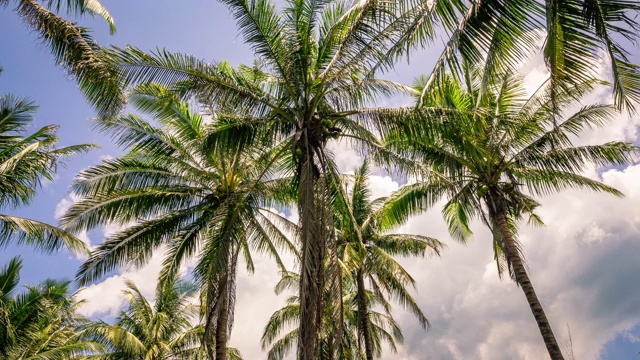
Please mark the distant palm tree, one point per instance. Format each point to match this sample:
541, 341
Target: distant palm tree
366, 251
41, 323
281, 333
160, 330
196, 201
497, 150
26, 160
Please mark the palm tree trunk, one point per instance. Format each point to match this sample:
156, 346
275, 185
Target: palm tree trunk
223, 320
363, 314
522, 278
312, 269
334, 291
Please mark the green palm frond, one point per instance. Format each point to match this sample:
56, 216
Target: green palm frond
39, 235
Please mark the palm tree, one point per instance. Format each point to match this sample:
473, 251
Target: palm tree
281, 332
172, 190
366, 251
42, 322
499, 150
158, 330
26, 160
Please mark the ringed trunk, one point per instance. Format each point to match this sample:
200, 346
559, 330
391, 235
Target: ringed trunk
312, 269
363, 312
522, 278
223, 320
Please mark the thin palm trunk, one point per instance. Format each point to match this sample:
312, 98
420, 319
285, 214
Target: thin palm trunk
223, 320
363, 313
522, 278
336, 296
312, 269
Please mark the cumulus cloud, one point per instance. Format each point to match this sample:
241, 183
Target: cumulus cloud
105, 298
582, 265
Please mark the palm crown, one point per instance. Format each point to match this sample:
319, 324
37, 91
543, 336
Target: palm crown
160, 330
171, 190
41, 322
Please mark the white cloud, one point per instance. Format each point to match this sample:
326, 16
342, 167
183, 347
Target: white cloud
62, 208
105, 298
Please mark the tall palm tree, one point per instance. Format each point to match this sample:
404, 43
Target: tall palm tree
500, 150
281, 332
366, 252
158, 330
172, 190
26, 160
42, 322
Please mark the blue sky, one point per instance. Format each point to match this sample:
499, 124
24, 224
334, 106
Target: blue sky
205, 29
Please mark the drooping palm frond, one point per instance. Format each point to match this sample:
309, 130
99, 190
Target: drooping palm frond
72, 46
26, 161
81, 7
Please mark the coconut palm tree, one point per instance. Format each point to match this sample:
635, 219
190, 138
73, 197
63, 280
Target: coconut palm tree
158, 330
500, 150
172, 192
366, 252
26, 160
41, 323
281, 332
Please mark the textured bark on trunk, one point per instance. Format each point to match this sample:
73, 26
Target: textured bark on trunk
223, 320
363, 311
312, 269
523, 280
